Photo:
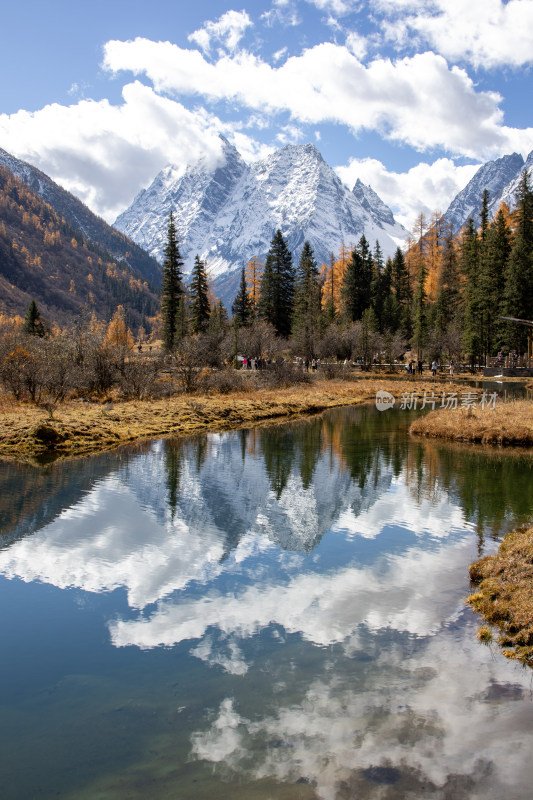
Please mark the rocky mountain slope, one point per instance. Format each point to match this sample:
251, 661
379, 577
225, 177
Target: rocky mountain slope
229, 214
500, 177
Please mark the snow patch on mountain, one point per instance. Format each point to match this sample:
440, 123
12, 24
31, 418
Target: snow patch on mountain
500, 177
229, 214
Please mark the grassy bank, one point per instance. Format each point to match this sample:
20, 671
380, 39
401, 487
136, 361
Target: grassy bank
79, 428
507, 424
504, 595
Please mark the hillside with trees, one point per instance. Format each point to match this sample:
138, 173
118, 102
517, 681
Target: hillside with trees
43, 257
92, 227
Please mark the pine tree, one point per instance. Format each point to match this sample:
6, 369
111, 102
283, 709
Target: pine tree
380, 286
307, 305
172, 294
277, 286
401, 284
33, 323
518, 300
242, 308
498, 246
469, 262
357, 282
448, 297
200, 308
420, 321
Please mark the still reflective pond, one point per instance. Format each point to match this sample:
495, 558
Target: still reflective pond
262, 614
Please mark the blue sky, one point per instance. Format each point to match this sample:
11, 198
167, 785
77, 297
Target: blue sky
409, 95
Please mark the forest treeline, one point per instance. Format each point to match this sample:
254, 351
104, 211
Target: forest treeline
44, 257
443, 298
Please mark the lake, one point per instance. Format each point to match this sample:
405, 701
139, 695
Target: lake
261, 614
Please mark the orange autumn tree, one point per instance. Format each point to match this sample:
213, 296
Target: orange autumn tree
253, 273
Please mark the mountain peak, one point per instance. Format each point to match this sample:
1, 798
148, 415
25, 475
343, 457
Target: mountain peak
228, 215
499, 177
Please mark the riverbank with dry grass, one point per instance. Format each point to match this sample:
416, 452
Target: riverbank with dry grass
81, 428
508, 423
504, 595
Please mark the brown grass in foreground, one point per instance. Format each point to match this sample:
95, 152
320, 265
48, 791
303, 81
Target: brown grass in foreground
506, 424
505, 594
79, 428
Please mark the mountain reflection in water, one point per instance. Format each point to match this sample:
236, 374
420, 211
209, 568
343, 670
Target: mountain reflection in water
297, 593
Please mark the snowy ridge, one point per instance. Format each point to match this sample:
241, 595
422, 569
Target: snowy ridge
229, 214
500, 177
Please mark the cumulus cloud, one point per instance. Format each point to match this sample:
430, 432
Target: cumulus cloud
324, 608
414, 716
424, 189
486, 33
417, 100
105, 153
228, 31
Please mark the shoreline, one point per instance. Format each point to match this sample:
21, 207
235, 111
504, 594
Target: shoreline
508, 424
80, 428
504, 595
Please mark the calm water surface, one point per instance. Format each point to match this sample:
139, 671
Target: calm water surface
274, 613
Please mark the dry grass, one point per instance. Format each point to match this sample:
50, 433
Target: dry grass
507, 424
79, 428
504, 594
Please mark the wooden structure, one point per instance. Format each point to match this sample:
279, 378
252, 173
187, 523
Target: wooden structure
529, 324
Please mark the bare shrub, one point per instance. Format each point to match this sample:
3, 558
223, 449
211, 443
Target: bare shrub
192, 354
138, 376
225, 381
281, 374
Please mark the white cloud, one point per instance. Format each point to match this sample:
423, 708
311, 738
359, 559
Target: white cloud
279, 55
418, 101
105, 153
356, 44
283, 12
339, 7
289, 134
228, 31
325, 608
424, 189
416, 711
486, 33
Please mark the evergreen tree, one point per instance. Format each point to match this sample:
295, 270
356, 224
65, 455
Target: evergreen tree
380, 286
357, 282
518, 299
242, 308
448, 297
469, 260
307, 306
172, 294
33, 323
498, 246
200, 308
389, 312
277, 286
401, 284
420, 320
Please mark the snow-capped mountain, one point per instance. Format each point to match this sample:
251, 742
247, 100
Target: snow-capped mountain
500, 177
230, 213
